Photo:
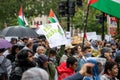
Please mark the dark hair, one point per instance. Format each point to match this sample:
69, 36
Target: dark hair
117, 58
29, 44
13, 51
85, 48
25, 38
52, 51
22, 58
108, 66
76, 47
71, 61
23, 54
13, 39
2, 50
104, 50
41, 60
35, 45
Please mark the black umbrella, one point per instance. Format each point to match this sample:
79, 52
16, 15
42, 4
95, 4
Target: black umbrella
19, 31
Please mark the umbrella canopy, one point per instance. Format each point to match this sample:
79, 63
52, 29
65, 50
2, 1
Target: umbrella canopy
19, 31
4, 44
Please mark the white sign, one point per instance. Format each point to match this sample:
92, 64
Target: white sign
108, 37
54, 34
99, 37
91, 35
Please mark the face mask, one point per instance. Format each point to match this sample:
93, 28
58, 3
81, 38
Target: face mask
53, 59
88, 54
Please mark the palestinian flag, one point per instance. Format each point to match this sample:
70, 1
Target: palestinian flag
21, 18
111, 7
52, 18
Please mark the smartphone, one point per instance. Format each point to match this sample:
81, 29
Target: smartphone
89, 70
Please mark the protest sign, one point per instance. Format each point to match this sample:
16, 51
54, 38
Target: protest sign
54, 34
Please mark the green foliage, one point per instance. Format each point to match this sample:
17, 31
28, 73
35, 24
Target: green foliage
32, 8
80, 16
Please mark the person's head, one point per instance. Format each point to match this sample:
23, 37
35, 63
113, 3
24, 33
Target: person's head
113, 46
35, 45
106, 52
40, 50
25, 40
111, 69
71, 63
15, 49
86, 51
25, 58
2, 51
52, 53
13, 41
47, 44
35, 74
78, 48
30, 45
107, 44
68, 48
42, 61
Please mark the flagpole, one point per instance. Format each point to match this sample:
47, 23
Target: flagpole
68, 17
103, 27
118, 25
85, 25
118, 28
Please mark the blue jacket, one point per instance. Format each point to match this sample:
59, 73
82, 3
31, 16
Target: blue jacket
95, 70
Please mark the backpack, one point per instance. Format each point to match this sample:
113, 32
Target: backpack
3, 70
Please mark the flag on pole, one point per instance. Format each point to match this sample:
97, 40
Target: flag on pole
21, 18
52, 18
111, 7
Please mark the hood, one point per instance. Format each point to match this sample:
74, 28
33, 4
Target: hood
63, 68
95, 68
95, 61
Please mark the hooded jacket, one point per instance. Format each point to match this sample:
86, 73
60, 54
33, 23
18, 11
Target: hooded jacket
95, 70
63, 71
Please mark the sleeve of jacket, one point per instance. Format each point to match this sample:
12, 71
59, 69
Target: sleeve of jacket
76, 76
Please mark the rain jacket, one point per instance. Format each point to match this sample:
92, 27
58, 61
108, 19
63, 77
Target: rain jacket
63, 71
95, 71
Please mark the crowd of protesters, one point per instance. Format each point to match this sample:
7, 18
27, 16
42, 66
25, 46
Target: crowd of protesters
33, 59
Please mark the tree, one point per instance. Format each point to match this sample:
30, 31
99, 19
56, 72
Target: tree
32, 8
80, 16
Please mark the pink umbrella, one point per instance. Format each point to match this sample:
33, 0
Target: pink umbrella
4, 44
